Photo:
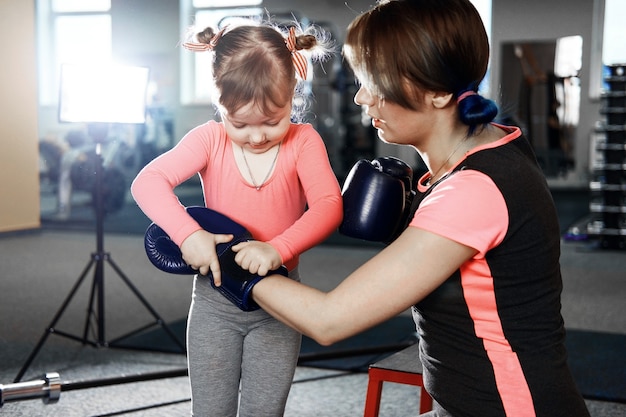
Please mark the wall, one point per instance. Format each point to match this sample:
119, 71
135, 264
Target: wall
511, 20
331, 14
147, 32
19, 162
338, 13
148, 36
534, 20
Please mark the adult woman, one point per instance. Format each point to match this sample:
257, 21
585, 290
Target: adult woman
479, 262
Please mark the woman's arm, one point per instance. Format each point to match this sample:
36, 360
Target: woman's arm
398, 277
427, 253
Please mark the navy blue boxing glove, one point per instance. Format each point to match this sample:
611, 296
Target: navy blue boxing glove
377, 197
237, 282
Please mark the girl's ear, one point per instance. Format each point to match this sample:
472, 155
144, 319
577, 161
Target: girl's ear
441, 100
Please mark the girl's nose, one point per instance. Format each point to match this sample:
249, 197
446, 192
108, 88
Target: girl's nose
257, 137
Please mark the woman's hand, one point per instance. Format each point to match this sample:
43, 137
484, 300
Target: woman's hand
198, 251
257, 257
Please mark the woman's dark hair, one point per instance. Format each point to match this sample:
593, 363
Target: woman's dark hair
402, 48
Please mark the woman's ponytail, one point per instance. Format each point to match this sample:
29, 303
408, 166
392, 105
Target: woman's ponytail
475, 110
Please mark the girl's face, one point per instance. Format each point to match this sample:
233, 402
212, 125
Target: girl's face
394, 123
253, 130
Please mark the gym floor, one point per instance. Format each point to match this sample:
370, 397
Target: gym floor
40, 267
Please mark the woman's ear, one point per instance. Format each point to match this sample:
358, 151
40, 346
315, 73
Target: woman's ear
441, 100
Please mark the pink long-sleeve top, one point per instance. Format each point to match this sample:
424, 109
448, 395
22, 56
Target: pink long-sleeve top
298, 207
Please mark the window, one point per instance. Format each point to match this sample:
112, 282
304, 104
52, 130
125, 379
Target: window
70, 31
567, 65
613, 49
195, 67
608, 37
484, 9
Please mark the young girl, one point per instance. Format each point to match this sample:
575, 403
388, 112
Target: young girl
262, 170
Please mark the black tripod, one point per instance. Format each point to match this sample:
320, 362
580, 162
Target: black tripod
98, 132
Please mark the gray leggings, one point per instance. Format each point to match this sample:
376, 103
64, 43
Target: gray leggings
229, 350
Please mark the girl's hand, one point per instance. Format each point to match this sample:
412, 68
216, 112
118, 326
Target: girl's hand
257, 257
198, 251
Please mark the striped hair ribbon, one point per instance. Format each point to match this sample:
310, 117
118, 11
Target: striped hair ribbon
201, 47
299, 61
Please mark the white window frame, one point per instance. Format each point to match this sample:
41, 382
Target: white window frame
92, 49
607, 37
195, 66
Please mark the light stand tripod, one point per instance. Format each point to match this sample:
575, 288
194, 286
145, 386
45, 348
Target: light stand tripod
98, 132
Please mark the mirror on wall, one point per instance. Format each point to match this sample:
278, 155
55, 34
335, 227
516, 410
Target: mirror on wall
540, 92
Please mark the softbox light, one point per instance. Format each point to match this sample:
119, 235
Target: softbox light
103, 93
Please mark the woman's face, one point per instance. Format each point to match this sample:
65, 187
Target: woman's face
253, 130
394, 123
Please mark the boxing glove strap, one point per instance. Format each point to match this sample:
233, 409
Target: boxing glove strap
237, 282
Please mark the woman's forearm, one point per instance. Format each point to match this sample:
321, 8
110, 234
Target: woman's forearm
389, 283
328, 317
297, 305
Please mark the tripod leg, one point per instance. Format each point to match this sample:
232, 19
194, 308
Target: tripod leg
134, 289
50, 328
97, 288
